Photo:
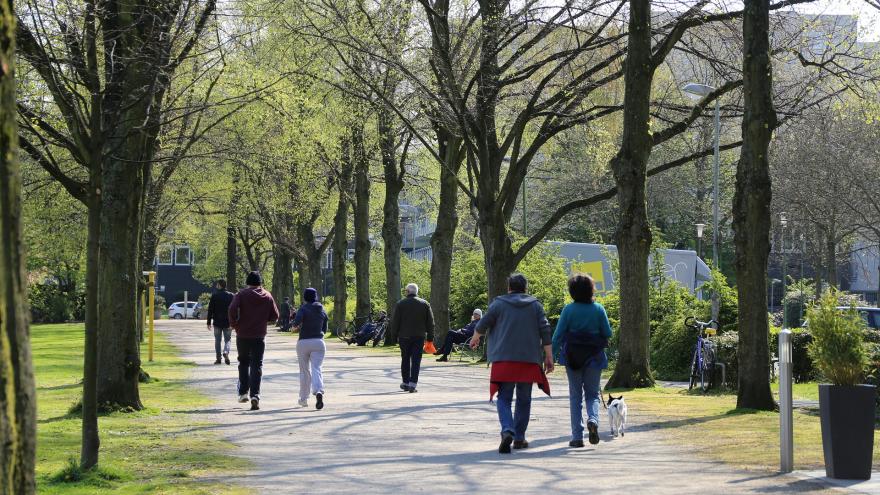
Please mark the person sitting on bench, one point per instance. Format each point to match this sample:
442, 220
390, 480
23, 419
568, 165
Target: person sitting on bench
459, 336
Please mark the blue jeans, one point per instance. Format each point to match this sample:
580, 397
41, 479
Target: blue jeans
514, 423
583, 384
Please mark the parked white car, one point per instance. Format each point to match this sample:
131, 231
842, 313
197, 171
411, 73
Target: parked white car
176, 310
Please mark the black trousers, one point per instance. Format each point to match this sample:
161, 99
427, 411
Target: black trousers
411, 358
250, 364
452, 337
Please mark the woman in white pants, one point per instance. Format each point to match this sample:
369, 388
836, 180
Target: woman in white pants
311, 321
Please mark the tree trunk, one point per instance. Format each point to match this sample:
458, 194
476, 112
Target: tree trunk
91, 442
443, 238
231, 236
17, 393
340, 240
392, 243
361, 222
633, 230
392, 240
303, 275
316, 275
751, 210
311, 272
282, 275
831, 261
118, 278
499, 256
231, 259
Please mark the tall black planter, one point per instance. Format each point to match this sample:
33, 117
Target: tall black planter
847, 417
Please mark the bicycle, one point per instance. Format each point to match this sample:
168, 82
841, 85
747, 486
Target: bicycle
703, 361
347, 331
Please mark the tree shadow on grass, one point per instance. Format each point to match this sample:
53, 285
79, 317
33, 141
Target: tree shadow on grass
689, 421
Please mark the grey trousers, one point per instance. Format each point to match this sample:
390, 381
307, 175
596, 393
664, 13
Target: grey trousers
310, 354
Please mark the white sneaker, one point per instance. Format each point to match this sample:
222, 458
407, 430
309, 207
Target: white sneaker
242, 398
304, 403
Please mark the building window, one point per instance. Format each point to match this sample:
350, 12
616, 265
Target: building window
182, 256
165, 255
199, 256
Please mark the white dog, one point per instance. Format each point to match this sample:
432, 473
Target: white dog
617, 415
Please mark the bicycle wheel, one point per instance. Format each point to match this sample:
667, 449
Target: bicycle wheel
708, 369
695, 371
344, 331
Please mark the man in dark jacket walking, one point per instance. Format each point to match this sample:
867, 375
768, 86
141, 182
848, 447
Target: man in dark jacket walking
412, 323
250, 313
218, 314
520, 342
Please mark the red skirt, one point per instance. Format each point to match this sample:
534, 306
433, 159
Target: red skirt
516, 372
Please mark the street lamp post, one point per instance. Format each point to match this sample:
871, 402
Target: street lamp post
701, 91
700, 227
783, 221
773, 283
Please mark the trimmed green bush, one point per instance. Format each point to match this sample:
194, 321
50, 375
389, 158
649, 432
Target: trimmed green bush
838, 349
50, 304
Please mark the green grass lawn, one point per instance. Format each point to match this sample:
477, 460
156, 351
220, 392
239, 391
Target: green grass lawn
711, 426
160, 450
800, 391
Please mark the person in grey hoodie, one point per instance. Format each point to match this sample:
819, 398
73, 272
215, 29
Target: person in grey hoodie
311, 322
519, 342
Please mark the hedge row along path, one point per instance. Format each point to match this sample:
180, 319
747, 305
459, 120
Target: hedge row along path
373, 438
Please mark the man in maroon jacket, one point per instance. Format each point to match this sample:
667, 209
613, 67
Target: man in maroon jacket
250, 313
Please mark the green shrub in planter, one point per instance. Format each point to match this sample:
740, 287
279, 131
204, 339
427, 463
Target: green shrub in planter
838, 349
846, 406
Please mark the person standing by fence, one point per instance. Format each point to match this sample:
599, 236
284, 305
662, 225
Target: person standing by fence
311, 322
250, 313
413, 323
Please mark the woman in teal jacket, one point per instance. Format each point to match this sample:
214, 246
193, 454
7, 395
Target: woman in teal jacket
579, 342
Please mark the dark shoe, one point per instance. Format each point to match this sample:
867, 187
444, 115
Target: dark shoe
404, 387
226, 357
438, 353
594, 433
217, 361
412, 390
576, 444
506, 440
443, 359
320, 404
255, 403
520, 444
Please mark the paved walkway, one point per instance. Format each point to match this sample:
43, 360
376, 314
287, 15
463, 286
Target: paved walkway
373, 438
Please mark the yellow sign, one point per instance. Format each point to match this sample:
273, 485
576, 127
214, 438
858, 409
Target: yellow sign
595, 270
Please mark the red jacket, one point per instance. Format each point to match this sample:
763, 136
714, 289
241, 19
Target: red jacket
251, 311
